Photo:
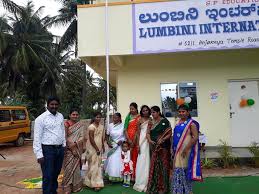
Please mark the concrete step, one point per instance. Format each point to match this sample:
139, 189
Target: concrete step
213, 152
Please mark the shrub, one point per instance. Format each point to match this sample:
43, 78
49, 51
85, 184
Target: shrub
254, 149
208, 163
226, 157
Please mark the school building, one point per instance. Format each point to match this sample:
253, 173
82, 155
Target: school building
204, 52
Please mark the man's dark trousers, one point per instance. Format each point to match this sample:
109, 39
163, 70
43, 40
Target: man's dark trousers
51, 167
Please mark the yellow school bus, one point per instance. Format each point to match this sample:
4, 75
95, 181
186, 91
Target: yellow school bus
14, 124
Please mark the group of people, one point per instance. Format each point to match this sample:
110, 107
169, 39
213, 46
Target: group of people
143, 150
162, 162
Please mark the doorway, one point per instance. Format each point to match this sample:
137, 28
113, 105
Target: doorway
244, 112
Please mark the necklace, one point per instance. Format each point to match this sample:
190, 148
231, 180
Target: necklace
157, 121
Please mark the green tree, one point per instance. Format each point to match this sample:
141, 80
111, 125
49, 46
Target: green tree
67, 16
93, 91
71, 90
32, 66
29, 63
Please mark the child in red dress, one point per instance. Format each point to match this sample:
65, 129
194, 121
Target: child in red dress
127, 165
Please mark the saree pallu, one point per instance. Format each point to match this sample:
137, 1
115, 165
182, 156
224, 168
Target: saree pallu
72, 181
143, 162
159, 182
132, 130
186, 169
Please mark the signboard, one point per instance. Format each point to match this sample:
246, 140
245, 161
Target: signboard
195, 25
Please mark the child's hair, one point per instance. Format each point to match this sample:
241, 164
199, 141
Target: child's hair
125, 142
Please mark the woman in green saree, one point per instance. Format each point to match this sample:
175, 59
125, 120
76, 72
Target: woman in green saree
159, 136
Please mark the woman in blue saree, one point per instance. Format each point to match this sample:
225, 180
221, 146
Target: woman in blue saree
187, 167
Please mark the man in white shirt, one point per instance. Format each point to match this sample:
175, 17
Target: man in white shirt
49, 143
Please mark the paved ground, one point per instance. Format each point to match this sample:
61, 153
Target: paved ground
20, 164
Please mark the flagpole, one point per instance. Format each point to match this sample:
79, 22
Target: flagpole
107, 62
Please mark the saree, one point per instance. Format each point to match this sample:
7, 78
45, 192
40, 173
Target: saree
131, 127
143, 162
111, 168
93, 176
72, 181
158, 182
186, 169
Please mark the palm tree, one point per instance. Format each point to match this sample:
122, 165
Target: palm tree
27, 41
68, 17
28, 57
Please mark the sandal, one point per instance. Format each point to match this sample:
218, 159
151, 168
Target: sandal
97, 189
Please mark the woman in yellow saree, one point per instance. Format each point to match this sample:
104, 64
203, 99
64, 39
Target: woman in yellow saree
94, 150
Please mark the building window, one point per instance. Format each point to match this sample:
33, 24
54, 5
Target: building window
5, 116
82, 2
18, 115
170, 92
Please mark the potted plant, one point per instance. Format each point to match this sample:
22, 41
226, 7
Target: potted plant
254, 149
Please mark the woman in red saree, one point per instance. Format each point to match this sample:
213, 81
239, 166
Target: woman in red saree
72, 181
131, 130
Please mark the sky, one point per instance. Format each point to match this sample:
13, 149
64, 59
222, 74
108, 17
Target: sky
51, 9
